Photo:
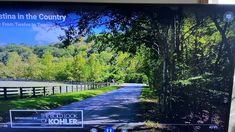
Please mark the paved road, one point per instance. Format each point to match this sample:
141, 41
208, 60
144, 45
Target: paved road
117, 108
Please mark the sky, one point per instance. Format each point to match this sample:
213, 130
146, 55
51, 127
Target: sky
34, 31
39, 31
32, 35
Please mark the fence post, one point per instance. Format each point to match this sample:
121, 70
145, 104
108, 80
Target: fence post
53, 89
72, 88
34, 92
5, 93
60, 90
21, 92
44, 91
77, 87
66, 89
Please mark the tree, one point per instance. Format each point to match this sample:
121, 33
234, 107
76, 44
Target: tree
79, 70
105, 59
3, 70
121, 62
47, 67
94, 68
181, 44
33, 67
15, 66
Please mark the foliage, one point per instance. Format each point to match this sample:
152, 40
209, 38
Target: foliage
180, 51
79, 62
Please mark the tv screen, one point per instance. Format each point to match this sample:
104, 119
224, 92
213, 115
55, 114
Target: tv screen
115, 67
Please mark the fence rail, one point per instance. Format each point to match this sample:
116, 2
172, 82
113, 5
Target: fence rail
23, 92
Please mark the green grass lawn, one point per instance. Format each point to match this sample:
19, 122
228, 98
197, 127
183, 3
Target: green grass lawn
49, 102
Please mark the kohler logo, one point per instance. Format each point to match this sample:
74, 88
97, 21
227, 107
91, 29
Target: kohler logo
63, 122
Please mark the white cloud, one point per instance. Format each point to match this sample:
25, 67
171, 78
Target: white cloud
47, 33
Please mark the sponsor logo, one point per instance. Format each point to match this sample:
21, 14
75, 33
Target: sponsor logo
46, 118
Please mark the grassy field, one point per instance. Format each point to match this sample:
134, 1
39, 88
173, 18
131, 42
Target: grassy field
49, 102
28, 84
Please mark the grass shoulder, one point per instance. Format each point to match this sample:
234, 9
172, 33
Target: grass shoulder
150, 109
148, 95
148, 104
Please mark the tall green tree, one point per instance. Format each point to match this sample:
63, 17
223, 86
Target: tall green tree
47, 67
33, 67
94, 68
15, 66
79, 68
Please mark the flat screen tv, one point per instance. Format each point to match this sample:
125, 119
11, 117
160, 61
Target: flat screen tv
92, 67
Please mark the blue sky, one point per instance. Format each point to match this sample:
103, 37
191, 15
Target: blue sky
29, 35
46, 33
39, 32
16, 35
